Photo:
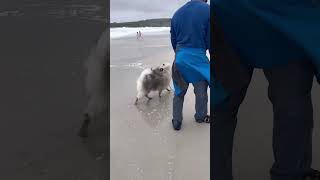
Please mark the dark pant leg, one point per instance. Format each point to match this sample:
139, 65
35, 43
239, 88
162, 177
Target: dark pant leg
178, 101
290, 93
235, 78
200, 91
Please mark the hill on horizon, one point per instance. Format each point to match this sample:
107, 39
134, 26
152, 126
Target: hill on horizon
161, 22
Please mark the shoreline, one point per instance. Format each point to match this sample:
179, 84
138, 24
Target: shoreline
129, 32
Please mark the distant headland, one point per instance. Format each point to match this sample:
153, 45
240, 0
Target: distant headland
161, 22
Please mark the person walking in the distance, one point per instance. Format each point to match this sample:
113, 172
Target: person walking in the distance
140, 35
190, 38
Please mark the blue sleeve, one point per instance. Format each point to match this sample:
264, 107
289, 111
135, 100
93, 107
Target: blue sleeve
207, 29
173, 36
207, 40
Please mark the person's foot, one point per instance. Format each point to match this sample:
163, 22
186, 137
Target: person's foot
176, 125
206, 119
313, 175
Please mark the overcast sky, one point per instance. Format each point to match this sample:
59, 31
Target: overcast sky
132, 10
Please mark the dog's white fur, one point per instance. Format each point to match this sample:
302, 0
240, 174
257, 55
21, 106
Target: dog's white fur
164, 79
140, 89
97, 78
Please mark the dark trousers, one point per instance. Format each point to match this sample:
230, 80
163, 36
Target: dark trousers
290, 93
201, 106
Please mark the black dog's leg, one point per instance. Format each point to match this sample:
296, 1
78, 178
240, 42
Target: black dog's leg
84, 127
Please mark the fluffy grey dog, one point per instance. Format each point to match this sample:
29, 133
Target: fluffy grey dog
96, 83
153, 79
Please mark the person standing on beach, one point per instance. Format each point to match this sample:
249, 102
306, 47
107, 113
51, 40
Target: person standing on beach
190, 39
140, 34
282, 38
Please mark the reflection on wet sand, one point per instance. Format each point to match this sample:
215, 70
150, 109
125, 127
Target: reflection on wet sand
156, 110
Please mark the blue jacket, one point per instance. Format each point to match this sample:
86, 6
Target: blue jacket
190, 38
190, 26
268, 33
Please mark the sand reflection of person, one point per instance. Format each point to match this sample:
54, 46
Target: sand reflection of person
190, 38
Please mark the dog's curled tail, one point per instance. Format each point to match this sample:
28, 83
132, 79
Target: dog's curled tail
97, 77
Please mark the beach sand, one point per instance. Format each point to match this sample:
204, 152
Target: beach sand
143, 144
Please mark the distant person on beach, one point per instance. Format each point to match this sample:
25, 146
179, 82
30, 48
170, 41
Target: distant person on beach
140, 34
190, 38
269, 35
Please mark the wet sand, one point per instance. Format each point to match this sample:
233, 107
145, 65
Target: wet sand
42, 99
143, 144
